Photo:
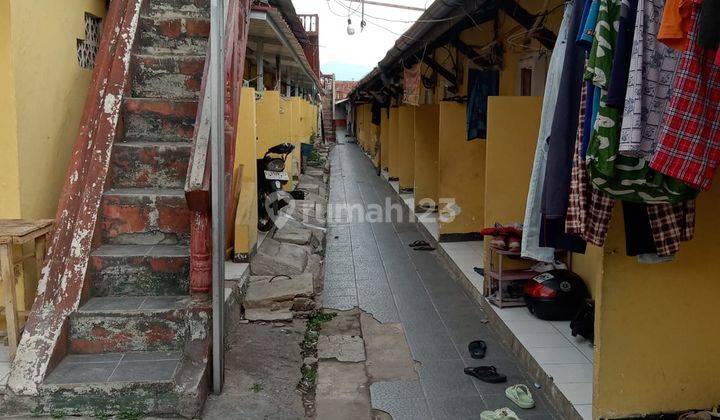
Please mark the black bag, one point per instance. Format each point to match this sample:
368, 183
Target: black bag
584, 322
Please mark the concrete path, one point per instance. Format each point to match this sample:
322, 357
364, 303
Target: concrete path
370, 266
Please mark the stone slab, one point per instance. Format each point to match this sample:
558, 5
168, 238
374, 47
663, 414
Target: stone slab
264, 291
344, 348
281, 312
293, 235
274, 258
388, 354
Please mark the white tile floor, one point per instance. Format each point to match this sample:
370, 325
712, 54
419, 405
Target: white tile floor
567, 359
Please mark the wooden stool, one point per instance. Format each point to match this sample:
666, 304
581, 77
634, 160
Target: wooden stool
18, 232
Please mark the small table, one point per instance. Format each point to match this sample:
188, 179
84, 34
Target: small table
19, 232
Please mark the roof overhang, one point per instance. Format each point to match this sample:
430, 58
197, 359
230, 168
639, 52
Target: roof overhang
268, 27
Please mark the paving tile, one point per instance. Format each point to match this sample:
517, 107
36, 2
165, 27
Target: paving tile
456, 408
396, 390
530, 326
151, 355
341, 303
560, 355
145, 371
4, 353
93, 358
445, 378
577, 393
164, 302
113, 303
570, 373
340, 292
552, 339
404, 409
585, 411
76, 373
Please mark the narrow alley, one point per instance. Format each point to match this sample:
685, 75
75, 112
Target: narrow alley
413, 289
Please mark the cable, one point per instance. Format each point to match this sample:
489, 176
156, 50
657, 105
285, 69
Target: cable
398, 20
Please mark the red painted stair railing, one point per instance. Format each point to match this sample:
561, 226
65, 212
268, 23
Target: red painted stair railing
62, 280
197, 186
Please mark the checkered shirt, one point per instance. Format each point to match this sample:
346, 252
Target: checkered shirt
671, 224
689, 146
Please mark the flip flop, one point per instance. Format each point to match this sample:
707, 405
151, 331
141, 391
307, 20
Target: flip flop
520, 395
499, 414
424, 248
486, 374
477, 349
417, 243
479, 270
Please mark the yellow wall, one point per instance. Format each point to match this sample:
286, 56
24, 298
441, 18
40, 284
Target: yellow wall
268, 118
461, 166
394, 149
655, 328
406, 145
44, 90
246, 216
384, 138
9, 162
426, 133
42, 95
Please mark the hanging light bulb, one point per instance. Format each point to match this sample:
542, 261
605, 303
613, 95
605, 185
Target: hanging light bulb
350, 29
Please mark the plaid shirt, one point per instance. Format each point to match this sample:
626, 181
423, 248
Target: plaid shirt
589, 209
671, 224
689, 147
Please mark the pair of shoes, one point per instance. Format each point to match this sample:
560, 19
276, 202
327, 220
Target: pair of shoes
421, 246
543, 267
487, 374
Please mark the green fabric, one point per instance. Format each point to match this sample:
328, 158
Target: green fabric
623, 177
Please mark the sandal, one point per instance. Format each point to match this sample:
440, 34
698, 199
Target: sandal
486, 374
520, 395
424, 248
417, 243
499, 414
477, 349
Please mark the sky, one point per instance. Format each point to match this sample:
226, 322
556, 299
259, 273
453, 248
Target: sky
351, 57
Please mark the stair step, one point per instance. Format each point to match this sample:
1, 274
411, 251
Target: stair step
170, 77
174, 32
153, 383
148, 366
150, 118
154, 165
124, 324
145, 216
140, 270
180, 8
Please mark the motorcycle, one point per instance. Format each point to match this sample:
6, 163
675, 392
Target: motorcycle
271, 178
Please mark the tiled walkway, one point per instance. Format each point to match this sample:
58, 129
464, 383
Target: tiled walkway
371, 266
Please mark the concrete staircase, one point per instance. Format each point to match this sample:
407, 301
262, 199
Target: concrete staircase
139, 343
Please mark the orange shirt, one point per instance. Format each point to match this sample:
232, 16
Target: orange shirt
675, 24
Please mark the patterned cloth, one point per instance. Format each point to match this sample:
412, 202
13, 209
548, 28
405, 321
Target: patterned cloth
622, 177
652, 69
671, 224
589, 210
689, 148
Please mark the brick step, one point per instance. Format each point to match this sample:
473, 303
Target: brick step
140, 270
147, 383
149, 165
183, 8
145, 216
124, 324
173, 34
159, 119
169, 77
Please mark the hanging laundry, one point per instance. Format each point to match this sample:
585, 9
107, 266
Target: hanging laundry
589, 210
689, 147
672, 224
650, 81
561, 142
589, 20
638, 232
622, 177
675, 24
618, 86
709, 32
531, 226
481, 85
411, 85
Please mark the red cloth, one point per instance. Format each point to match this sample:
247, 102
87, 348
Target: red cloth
411, 84
689, 147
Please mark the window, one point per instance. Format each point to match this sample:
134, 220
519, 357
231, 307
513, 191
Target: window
87, 48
